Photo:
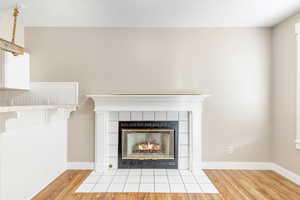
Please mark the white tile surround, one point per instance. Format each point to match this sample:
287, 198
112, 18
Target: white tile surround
181, 117
187, 109
147, 180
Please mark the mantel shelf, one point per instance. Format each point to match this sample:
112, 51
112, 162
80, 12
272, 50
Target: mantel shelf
146, 102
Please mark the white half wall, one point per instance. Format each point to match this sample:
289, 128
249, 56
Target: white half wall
32, 157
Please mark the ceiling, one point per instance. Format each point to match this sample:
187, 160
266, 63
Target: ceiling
154, 13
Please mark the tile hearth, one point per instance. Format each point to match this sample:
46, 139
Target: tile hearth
148, 180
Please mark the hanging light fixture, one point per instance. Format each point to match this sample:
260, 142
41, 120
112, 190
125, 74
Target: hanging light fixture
12, 47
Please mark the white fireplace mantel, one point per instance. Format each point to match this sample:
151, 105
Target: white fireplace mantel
107, 103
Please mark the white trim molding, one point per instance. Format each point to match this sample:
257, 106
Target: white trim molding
297, 30
286, 173
108, 103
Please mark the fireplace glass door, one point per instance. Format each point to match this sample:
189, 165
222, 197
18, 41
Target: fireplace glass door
148, 144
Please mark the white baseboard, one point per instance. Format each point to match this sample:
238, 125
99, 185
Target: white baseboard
81, 165
220, 165
237, 165
286, 173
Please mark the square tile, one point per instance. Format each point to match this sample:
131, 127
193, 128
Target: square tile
109, 172
160, 173
186, 173
136, 116
113, 150
161, 179
146, 188
183, 150
175, 179
147, 173
85, 188
92, 179
183, 116
160, 116
177, 188
162, 187
172, 115
183, 163
172, 172
147, 170
113, 161
135, 172
101, 187
113, 138
189, 179
202, 179
208, 188
124, 116
113, 126
105, 179
183, 127
159, 170
148, 115
153, 180
133, 179
199, 172
116, 187
119, 179
94, 173
113, 116
132, 187
147, 179
122, 173
183, 139
193, 188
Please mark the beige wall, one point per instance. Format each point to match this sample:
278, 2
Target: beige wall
284, 94
233, 65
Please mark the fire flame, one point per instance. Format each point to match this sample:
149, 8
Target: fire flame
149, 147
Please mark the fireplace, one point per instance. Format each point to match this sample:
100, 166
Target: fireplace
148, 144
110, 109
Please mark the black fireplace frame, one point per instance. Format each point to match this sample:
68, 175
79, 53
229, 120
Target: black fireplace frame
156, 164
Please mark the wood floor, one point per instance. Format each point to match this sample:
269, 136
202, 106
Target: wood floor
232, 184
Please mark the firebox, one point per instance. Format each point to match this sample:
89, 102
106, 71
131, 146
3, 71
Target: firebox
148, 144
